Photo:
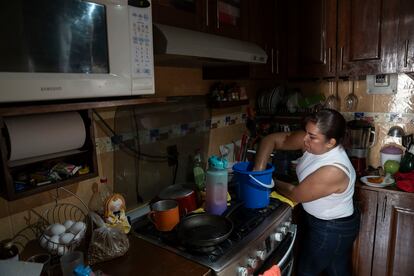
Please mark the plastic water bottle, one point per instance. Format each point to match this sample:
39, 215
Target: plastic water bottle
216, 186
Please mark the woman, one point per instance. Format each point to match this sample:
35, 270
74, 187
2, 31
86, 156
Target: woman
326, 186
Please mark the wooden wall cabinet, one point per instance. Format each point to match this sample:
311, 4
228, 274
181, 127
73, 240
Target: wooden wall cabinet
10, 172
386, 237
222, 17
183, 14
312, 41
267, 28
367, 37
406, 36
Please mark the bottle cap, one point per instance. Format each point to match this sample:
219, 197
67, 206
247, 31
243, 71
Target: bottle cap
219, 163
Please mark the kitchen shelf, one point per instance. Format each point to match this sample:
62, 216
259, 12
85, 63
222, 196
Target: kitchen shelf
10, 171
13, 109
225, 104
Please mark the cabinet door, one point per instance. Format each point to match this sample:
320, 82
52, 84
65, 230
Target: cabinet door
266, 30
394, 239
317, 38
189, 14
406, 36
228, 18
367, 33
367, 202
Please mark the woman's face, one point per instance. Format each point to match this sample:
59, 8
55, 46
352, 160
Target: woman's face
315, 142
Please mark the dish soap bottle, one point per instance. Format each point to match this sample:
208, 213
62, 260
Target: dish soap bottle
199, 175
216, 186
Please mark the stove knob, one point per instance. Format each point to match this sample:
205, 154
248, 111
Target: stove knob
283, 230
242, 271
261, 254
252, 262
277, 236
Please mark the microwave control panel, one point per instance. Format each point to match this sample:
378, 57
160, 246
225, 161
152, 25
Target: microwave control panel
142, 56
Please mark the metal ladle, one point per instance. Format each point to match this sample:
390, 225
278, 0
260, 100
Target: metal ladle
332, 101
351, 100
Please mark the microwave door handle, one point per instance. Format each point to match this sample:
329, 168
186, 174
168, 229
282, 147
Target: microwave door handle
286, 256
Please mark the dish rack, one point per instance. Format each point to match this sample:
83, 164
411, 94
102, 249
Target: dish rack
59, 213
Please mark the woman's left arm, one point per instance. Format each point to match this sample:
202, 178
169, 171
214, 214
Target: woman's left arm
323, 182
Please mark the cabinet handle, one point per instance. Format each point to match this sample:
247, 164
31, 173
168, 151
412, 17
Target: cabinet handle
277, 61
341, 58
330, 59
217, 10
406, 53
384, 208
271, 56
207, 13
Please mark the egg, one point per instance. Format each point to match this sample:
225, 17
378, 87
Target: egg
62, 250
66, 238
55, 229
53, 244
68, 223
77, 227
44, 240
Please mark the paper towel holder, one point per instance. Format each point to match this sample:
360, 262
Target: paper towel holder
17, 176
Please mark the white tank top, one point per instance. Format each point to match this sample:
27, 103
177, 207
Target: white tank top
334, 205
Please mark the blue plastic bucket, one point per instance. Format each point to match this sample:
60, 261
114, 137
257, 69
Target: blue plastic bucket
253, 187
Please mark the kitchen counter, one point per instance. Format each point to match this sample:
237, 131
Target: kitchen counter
389, 189
143, 258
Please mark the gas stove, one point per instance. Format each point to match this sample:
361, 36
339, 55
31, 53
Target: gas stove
257, 234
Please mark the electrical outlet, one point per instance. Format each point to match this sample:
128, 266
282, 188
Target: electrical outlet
172, 153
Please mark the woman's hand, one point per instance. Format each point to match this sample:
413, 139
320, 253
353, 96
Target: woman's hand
277, 141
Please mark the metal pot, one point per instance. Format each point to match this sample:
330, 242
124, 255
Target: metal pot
185, 197
201, 230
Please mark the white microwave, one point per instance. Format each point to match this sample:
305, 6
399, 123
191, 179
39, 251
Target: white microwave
71, 49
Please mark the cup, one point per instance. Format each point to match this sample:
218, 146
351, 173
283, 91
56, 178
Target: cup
164, 214
70, 261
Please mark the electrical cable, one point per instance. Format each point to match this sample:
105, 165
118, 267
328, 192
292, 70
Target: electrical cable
138, 146
117, 140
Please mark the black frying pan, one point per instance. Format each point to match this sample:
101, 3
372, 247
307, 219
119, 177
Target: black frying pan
200, 230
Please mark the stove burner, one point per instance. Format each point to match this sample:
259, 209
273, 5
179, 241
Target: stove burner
244, 220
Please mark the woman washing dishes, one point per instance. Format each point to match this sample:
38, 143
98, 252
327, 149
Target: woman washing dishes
326, 186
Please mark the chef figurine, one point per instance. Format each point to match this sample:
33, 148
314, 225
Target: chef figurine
115, 213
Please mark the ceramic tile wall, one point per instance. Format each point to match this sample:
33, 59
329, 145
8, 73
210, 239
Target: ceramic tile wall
169, 81
384, 111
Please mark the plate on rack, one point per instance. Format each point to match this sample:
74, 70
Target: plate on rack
384, 183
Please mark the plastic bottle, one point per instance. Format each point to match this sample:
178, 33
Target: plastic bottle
198, 171
216, 186
407, 162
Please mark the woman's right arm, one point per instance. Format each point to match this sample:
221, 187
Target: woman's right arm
277, 141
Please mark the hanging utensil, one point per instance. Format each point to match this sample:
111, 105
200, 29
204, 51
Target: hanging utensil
332, 101
351, 100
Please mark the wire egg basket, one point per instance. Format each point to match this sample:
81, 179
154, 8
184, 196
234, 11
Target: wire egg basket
76, 219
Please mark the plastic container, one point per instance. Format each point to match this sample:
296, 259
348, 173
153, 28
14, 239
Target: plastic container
216, 186
254, 187
390, 153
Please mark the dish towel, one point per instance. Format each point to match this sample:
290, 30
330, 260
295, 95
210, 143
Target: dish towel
276, 195
273, 271
405, 181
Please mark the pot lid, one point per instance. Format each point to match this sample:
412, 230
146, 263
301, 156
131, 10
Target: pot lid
391, 150
174, 192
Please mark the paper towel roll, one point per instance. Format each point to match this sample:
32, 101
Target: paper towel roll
36, 135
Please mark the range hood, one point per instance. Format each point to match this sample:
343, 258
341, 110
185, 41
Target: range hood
174, 45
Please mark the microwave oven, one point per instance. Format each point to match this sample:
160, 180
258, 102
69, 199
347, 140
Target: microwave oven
71, 49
